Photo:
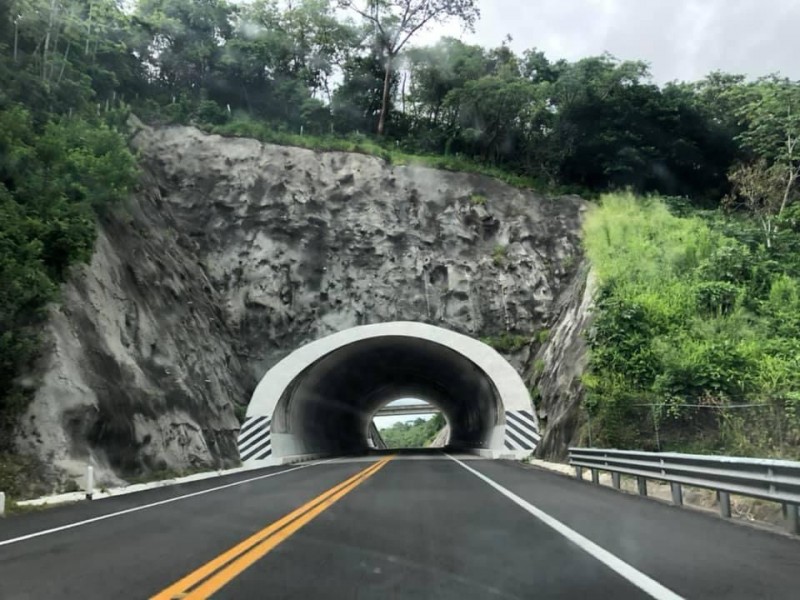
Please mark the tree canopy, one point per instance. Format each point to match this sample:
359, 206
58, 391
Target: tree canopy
348, 67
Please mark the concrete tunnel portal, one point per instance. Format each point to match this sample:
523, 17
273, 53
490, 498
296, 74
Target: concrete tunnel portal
321, 398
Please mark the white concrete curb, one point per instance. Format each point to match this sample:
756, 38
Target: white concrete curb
136, 487
139, 487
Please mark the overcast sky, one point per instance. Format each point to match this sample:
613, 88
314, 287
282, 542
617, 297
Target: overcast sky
681, 39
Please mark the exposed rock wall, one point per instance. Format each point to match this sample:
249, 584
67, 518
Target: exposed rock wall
140, 370
233, 253
558, 366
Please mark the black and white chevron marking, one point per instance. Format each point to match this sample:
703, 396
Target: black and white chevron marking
254, 439
521, 431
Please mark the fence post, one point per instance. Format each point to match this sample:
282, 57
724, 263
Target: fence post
595, 476
724, 504
641, 483
677, 494
792, 523
589, 420
2, 504
615, 480
89, 482
578, 472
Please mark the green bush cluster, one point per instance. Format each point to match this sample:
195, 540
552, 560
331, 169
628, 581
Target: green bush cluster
415, 434
499, 255
691, 311
242, 125
477, 200
55, 176
507, 342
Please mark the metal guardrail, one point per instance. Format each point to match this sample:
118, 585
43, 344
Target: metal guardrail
775, 480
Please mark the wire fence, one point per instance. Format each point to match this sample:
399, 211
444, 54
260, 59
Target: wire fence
753, 429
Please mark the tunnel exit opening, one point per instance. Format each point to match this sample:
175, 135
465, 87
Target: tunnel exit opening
412, 423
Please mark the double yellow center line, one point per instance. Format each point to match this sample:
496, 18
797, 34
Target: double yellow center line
218, 572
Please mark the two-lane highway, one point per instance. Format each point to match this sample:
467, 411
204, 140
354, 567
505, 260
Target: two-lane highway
416, 525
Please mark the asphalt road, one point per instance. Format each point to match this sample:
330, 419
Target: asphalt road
417, 526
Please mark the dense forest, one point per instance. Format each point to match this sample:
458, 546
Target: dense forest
698, 293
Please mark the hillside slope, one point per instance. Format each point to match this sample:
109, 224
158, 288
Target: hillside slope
232, 253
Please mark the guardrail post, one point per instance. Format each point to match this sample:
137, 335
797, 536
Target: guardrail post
595, 476
724, 499
641, 483
2, 504
89, 482
579, 473
677, 493
792, 521
615, 480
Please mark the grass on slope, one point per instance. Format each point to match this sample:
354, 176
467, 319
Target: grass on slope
244, 126
699, 319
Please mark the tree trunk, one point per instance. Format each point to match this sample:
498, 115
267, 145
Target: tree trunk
790, 179
385, 99
64, 62
766, 224
403, 92
47, 39
16, 39
88, 30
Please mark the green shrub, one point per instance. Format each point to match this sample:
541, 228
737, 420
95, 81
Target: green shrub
538, 367
209, 112
71, 486
499, 255
716, 297
507, 342
54, 177
477, 200
687, 322
240, 410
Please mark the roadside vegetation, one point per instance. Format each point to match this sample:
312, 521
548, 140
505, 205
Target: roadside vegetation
696, 341
508, 342
698, 297
413, 434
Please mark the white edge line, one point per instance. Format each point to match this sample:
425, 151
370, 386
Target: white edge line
134, 509
643, 582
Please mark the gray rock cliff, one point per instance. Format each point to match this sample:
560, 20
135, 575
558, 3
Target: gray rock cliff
557, 367
232, 253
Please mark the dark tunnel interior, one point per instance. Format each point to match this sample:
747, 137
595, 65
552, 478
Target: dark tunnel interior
328, 407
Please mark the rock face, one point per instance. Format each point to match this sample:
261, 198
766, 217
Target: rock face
140, 371
233, 253
558, 365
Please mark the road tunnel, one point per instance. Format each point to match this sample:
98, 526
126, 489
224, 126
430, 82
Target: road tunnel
320, 400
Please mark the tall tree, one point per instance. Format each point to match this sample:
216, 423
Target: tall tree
394, 22
756, 187
490, 108
184, 42
771, 116
357, 101
437, 70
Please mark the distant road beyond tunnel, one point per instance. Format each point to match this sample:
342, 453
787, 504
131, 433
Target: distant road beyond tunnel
320, 400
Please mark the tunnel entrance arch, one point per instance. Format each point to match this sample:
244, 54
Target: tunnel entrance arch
319, 400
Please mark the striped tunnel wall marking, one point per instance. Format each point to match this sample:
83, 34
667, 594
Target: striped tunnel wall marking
254, 439
521, 431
